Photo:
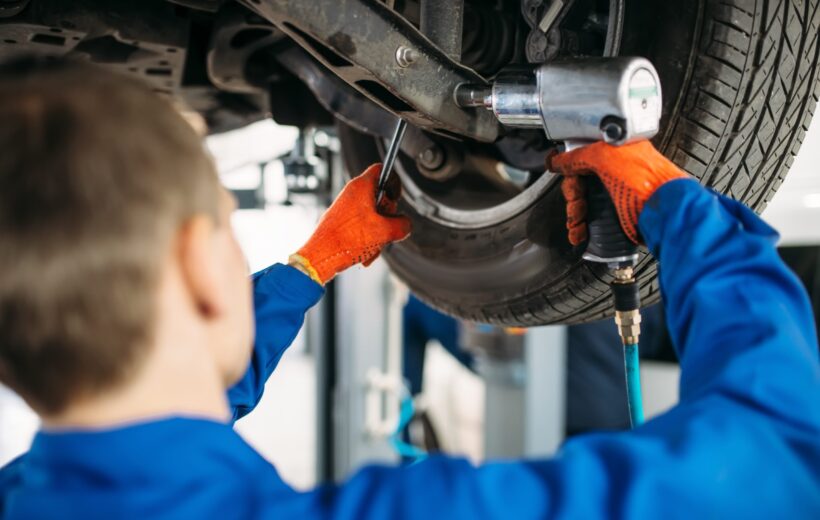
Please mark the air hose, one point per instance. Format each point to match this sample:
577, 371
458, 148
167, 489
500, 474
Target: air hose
609, 245
628, 319
405, 450
633, 384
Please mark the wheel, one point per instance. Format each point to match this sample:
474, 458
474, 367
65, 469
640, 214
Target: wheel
740, 85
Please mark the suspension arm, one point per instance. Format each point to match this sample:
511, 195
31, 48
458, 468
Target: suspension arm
383, 56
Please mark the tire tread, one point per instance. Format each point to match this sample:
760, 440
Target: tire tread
754, 59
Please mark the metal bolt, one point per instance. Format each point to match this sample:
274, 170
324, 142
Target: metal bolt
474, 96
431, 158
405, 56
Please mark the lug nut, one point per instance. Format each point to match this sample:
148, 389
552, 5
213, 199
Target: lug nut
405, 56
431, 158
439, 162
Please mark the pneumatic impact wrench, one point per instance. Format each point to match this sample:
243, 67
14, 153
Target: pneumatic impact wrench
616, 100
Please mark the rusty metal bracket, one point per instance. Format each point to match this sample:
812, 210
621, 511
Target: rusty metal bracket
360, 40
237, 35
336, 96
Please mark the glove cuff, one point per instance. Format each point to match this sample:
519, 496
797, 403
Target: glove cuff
303, 264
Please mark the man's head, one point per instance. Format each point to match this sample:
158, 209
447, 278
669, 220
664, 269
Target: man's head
110, 210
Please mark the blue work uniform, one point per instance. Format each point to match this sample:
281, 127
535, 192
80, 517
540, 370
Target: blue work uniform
744, 442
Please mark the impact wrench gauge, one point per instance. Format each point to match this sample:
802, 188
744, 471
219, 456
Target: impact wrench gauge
579, 102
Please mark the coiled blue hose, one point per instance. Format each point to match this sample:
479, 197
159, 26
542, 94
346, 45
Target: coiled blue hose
633, 384
406, 451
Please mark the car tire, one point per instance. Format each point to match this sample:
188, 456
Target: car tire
740, 81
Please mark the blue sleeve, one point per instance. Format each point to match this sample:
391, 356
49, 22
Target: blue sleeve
10, 477
281, 296
744, 441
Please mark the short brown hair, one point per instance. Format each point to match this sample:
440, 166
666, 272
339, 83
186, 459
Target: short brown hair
96, 173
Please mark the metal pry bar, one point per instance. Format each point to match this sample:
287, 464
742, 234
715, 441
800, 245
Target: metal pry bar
389, 159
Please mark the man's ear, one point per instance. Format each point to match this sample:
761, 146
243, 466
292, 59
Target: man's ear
198, 263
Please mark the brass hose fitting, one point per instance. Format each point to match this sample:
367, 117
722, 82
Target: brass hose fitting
629, 326
627, 305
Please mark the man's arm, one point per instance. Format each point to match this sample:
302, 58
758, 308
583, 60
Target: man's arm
739, 318
350, 232
10, 477
281, 296
743, 442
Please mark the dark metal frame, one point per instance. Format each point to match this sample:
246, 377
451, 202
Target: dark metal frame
442, 22
336, 96
358, 41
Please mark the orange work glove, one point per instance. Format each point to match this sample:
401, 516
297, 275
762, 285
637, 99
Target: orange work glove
351, 231
630, 174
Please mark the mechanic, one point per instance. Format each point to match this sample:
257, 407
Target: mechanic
126, 323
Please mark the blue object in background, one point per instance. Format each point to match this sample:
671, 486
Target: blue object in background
744, 442
409, 453
423, 324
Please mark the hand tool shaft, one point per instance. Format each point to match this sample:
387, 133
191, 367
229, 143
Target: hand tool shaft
390, 158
